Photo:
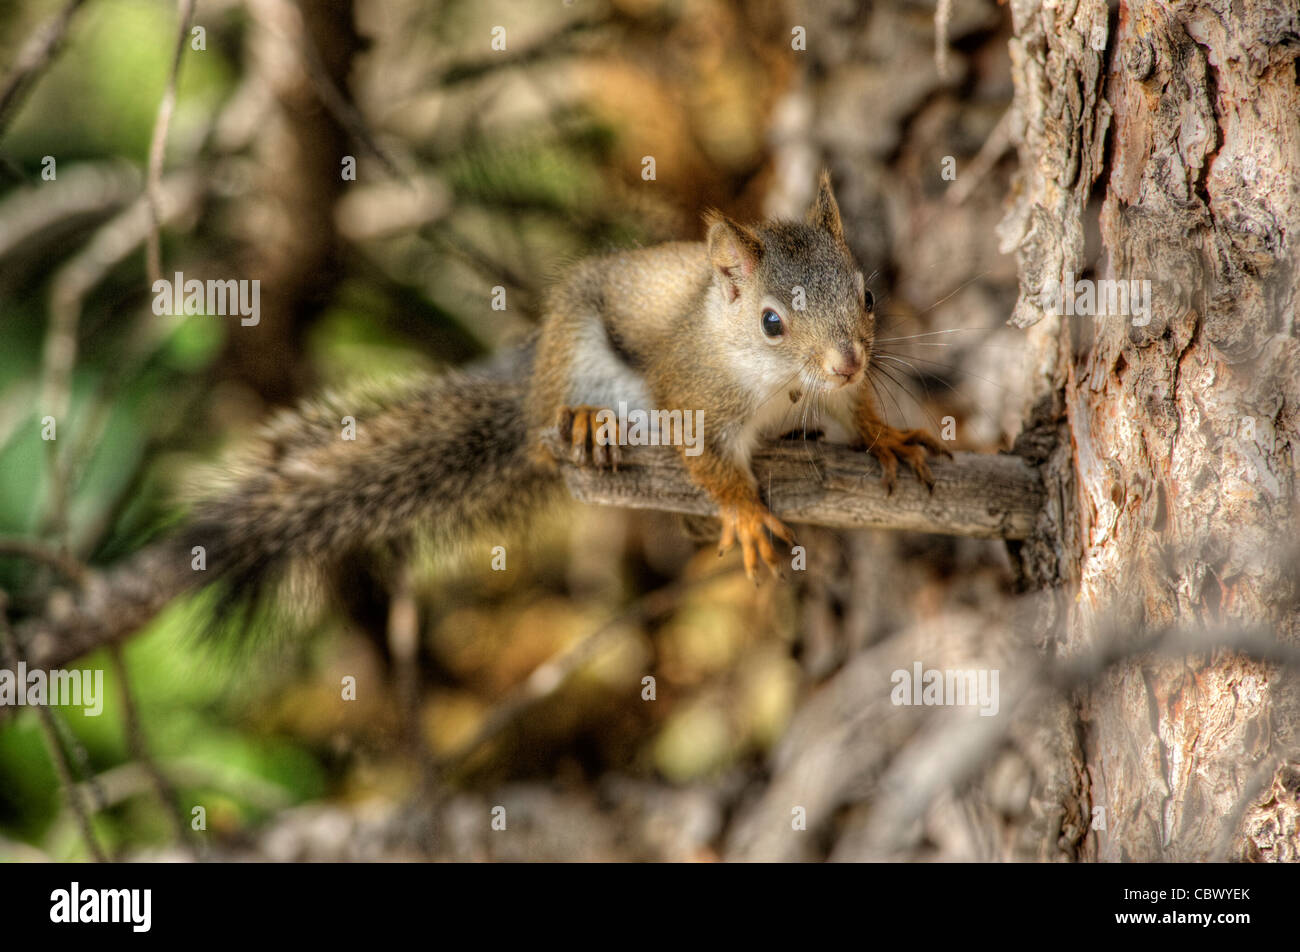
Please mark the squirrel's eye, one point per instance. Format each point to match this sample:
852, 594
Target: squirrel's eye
868, 301
772, 325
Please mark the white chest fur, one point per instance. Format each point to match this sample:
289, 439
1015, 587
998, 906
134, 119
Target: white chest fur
599, 377
828, 413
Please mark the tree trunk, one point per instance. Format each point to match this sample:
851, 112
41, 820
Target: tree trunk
1179, 514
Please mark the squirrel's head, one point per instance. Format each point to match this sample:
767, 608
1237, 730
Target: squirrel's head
795, 303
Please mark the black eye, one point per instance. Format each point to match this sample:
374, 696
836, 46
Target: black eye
868, 301
772, 325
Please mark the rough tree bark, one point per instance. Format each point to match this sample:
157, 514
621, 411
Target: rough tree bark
1179, 509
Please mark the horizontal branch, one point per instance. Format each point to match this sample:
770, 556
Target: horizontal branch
985, 496
975, 494
111, 605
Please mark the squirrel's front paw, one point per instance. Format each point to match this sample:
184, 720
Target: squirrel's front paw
889, 445
591, 441
746, 523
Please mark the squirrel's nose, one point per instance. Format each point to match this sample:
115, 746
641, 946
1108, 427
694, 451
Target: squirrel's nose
844, 360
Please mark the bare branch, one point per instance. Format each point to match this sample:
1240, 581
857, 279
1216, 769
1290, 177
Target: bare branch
86, 189
985, 496
139, 748
57, 559
158, 144
976, 495
942, 20
557, 44
549, 677
995, 146
341, 108
9, 648
37, 53
112, 605
110, 244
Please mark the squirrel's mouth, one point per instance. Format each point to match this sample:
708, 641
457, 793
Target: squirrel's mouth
840, 381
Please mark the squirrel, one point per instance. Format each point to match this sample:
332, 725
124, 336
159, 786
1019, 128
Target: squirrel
713, 326
763, 330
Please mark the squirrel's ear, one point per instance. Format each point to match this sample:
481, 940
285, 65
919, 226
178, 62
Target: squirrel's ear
734, 251
825, 213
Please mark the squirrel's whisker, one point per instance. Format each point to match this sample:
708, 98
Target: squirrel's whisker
898, 406
961, 287
922, 375
902, 385
951, 330
938, 363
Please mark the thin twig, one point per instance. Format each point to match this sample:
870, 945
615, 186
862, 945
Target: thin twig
942, 20
84, 775
72, 282
460, 245
117, 602
57, 559
139, 748
50, 731
81, 191
77, 573
340, 107
552, 46
550, 676
994, 147
158, 145
37, 53
404, 645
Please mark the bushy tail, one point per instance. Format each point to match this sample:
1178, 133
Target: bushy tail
446, 459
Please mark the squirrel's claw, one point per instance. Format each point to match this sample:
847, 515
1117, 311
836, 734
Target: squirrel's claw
583, 432
890, 445
578, 437
746, 524
778, 528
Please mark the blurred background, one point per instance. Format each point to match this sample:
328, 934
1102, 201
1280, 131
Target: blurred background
478, 168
